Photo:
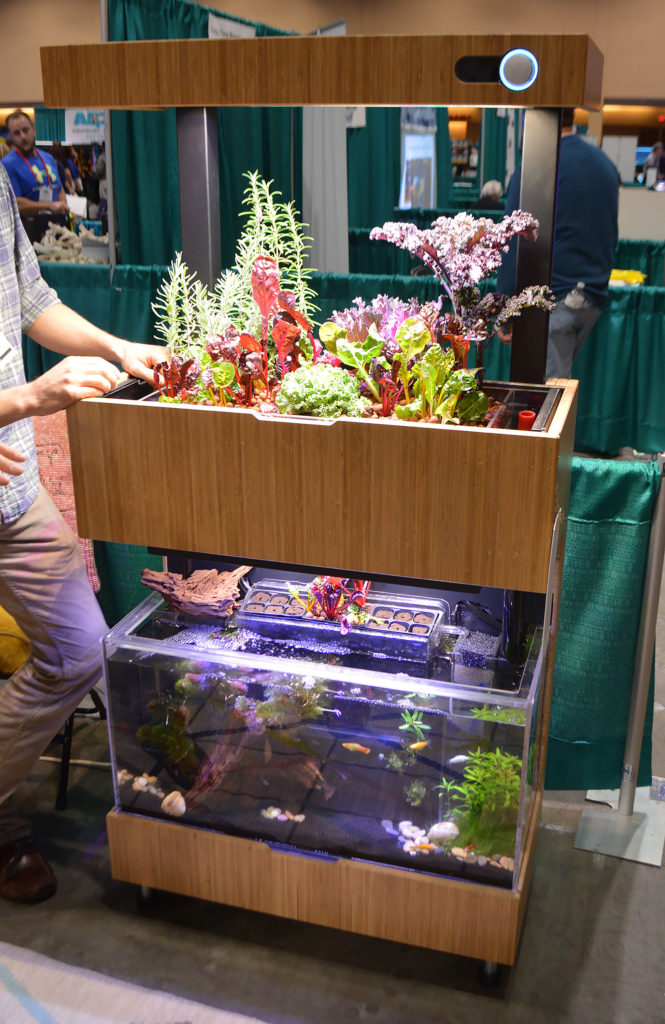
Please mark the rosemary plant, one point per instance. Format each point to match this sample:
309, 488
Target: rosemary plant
187, 313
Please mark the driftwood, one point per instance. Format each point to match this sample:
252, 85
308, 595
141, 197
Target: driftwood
205, 594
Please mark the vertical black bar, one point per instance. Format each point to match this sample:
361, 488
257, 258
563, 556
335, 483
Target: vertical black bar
540, 161
198, 170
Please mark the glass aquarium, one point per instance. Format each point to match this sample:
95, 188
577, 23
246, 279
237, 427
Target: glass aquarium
399, 733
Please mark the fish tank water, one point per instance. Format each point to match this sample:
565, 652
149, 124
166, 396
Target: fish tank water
408, 749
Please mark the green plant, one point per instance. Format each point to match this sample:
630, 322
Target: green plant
188, 314
511, 716
320, 390
415, 792
183, 310
491, 785
413, 722
271, 229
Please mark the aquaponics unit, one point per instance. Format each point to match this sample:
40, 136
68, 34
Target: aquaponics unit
281, 766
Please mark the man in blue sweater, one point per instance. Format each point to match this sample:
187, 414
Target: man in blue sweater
585, 237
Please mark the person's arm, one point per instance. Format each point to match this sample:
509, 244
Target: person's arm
58, 205
11, 463
66, 382
62, 330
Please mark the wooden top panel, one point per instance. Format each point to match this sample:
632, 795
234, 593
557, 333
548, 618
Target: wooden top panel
416, 500
317, 71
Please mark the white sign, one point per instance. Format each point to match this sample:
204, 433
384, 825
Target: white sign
227, 28
84, 126
418, 187
356, 117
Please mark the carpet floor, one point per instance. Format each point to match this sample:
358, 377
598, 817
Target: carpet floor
37, 990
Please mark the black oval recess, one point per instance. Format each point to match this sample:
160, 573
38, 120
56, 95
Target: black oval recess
478, 69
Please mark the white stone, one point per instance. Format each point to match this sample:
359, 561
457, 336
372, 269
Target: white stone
443, 832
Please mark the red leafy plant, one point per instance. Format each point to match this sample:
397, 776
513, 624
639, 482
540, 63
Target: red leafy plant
334, 598
236, 368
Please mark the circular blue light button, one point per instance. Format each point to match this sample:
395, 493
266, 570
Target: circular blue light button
518, 69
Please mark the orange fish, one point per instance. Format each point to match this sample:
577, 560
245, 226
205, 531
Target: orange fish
420, 745
424, 846
356, 748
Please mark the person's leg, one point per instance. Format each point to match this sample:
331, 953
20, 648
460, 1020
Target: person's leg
567, 332
561, 341
587, 318
44, 585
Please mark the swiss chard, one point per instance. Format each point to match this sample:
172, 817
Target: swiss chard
360, 356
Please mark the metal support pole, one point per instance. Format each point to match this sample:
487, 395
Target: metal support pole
198, 168
645, 647
540, 162
108, 150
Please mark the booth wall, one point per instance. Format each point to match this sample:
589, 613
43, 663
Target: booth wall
632, 45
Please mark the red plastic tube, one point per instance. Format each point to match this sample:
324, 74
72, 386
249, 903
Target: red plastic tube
525, 419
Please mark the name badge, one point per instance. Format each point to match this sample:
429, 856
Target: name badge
45, 194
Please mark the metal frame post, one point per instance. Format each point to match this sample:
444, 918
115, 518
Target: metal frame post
108, 151
645, 647
198, 169
538, 186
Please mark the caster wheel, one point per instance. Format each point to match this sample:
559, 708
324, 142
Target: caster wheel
146, 897
489, 973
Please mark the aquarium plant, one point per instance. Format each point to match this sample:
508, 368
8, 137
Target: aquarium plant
412, 721
485, 803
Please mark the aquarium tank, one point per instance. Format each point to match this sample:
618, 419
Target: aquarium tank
337, 718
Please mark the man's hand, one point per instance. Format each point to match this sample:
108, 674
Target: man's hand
138, 360
59, 206
70, 380
11, 463
505, 334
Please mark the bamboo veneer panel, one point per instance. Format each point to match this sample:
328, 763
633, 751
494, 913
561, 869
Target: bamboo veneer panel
306, 70
365, 496
388, 903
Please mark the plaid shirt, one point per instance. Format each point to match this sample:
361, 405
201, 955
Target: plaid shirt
24, 296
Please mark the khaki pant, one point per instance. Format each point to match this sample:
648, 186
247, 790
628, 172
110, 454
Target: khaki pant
44, 585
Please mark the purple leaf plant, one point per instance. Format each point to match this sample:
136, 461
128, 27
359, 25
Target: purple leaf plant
461, 251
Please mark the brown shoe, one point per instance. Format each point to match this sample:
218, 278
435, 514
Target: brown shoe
25, 877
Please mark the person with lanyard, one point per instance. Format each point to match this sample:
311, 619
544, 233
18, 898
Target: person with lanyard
34, 176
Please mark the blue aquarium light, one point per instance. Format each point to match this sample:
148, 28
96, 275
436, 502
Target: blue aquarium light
518, 69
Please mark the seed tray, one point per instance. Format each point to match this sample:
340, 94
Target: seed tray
398, 625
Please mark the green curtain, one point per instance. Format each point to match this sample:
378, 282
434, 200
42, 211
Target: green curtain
373, 162
145, 144
267, 140
373, 156
645, 255
493, 147
337, 291
611, 507
444, 166
119, 570
49, 124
